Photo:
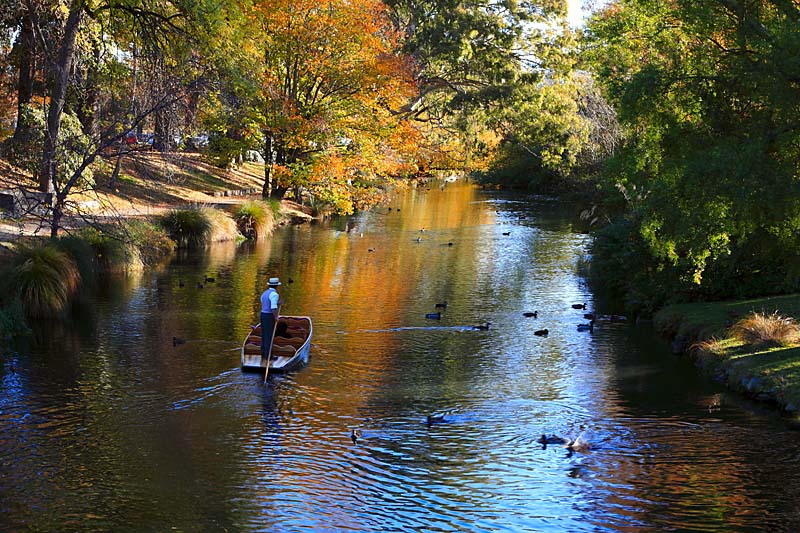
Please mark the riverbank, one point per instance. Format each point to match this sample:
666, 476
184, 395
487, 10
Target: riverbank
148, 184
706, 331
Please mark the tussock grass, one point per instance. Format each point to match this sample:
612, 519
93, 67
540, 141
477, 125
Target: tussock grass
761, 329
44, 278
189, 228
255, 220
222, 226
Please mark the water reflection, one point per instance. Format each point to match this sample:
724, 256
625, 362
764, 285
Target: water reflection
104, 422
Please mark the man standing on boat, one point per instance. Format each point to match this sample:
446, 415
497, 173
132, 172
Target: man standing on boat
269, 314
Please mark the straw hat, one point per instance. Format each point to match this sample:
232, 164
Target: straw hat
274, 282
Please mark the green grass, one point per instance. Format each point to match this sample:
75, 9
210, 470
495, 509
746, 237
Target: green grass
761, 369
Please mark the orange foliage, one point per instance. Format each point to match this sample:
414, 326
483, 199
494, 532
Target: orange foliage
331, 83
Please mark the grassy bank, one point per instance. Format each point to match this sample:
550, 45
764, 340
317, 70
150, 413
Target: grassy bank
764, 369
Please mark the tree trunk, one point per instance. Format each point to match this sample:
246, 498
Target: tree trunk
266, 189
25, 52
58, 93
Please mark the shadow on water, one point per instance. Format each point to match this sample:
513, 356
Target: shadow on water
107, 421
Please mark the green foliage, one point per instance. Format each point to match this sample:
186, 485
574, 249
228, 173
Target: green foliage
189, 228
110, 252
44, 278
711, 153
25, 150
151, 241
254, 219
12, 320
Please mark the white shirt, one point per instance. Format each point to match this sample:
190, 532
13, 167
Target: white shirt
269, 300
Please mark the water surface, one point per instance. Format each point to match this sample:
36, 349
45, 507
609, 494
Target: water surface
104, 424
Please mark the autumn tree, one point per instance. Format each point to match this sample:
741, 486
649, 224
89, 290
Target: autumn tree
330, 85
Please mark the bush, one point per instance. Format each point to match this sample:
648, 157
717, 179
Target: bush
150, 241
44, 278
254, 219
12, 320
759, 329
110, 251
189, 228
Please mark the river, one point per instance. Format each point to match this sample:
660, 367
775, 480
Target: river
105, 425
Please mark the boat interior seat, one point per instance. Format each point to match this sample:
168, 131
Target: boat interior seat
252, 349
285, 351
297, 342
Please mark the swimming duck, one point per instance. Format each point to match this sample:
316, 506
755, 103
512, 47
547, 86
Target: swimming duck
590, 316
434, 419
433, 316
578, 444
586, 327
210, 280
355, 435
441, 305
531, 314
541, 332
506, 233
290, 280
419, 239
483, 327
371, 250
180, 283
579, 306
552, 439
200, 285
449, 244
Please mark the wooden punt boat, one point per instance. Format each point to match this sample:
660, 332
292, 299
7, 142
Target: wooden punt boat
287, 354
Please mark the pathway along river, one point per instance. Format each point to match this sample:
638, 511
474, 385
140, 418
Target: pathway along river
104, 425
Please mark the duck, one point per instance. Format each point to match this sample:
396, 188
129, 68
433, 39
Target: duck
531, 314
390, 209
590, 316
579, 444
579, 306
552, 439
433, 316
355, 435
434, 419
200, 285
177, 340
181, 284
371, 249
483, 327
441, 305
541, 332
449, 244
290, 280
506, 233
586, 327
419, 239
210, 280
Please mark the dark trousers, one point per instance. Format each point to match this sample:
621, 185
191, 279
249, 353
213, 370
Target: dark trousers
267, 327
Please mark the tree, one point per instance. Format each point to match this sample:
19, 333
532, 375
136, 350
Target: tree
707, 95
330, 86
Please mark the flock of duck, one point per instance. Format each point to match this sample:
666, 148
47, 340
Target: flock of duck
592, 317
578, 444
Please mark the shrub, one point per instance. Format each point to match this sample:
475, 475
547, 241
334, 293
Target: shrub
150, 241
188, 227
110, 251
44, 278
12, 320
254, 219
222, 226
760, 329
